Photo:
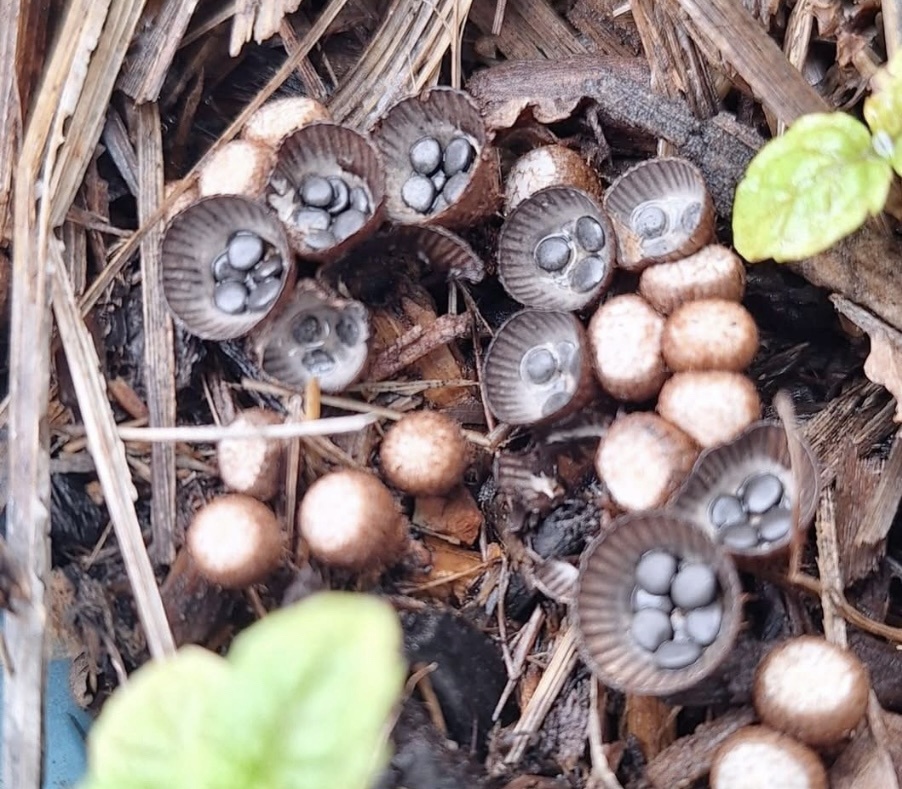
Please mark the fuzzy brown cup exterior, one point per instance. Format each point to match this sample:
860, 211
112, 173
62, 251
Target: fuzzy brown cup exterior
326, 149
711, 407
239, 167
812, 689
441, 112
191, 242
235, 541
537, 368
350, 520
714, 272
625, 340
252, 465
424, 454
549, 165
643, 459
279, 118
757, 757
604, 606
661, 210
709, 334
316, 335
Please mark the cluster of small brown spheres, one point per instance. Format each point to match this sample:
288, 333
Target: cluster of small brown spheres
348, 519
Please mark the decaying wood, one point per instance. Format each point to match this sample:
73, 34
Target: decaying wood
403, 56
620, 88
532, 29
727, 32
258, 19
153, 50
652, 722
856, 481
159, 344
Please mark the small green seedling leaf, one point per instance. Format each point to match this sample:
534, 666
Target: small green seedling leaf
808, 189
302, 702
883, 108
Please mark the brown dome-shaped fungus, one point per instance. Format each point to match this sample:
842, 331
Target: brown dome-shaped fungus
625, 340
657, 605
709, 334
279, 118
328, 187
713, 272
239, 167
548, 165
812, 690
537, 368
424, 454
316, 335
226, 265
557, 250
235, 541
757, 757
712, 407
745, 493
350, 520
440, 165
661, 211
252, 465
643, 459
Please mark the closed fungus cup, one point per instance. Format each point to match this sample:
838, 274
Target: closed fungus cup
625, 343
537, 368
557, 250
252, 465
316, 335
424, 453
757, 757
240, 167
657, 605
349, 520
549, 165
713, 272
226, 265
812, 690
328, 187
235, 541
709, 334
661, 211
440, 165
744, 492
279, 118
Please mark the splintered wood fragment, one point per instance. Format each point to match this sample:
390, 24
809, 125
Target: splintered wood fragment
258, 19
892, 26
402, 58
108, 452
552, 90
856, 482
159, 343
603, 774
14, 588
560, 666
155, 47
89, 113
10, 107
595, 19
532, 29
312, 81
829, 569
652, 722
879, 511
689, 758
797, 39
729, 30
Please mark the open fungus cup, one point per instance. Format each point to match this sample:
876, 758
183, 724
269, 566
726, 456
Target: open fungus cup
537, 368
212, 299
316, 335
405, 135
609, 598
661, 211
557, 250
324, 227
742, 493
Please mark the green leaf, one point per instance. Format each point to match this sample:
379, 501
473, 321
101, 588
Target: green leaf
897, 156
325, 675
806, 190
883, 108
302, 702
